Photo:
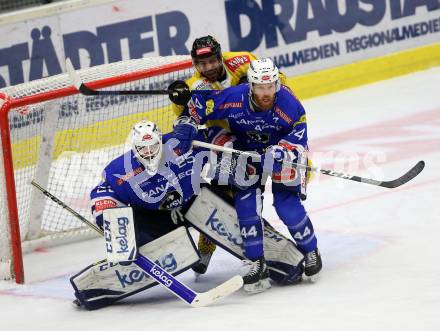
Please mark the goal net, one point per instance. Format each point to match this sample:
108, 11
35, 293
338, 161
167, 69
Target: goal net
63, 140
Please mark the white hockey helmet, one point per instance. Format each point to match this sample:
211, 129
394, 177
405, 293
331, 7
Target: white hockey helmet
146, 143
263, 71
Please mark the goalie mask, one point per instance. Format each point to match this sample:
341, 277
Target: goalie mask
146, 141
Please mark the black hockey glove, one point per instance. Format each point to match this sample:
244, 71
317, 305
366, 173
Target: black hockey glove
181, 94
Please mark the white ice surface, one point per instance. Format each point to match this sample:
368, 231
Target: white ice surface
380, 247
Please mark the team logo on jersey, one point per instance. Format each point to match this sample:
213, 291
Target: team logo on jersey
237, 61
209, 107
171, 200
260, 137
201, 84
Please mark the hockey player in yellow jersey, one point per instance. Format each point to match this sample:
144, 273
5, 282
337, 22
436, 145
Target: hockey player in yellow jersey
214, 70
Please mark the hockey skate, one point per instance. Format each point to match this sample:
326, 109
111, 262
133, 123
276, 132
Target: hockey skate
206, 249
313, 265
257, 278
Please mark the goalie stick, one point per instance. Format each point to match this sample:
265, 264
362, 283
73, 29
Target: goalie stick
195, 299
406, 177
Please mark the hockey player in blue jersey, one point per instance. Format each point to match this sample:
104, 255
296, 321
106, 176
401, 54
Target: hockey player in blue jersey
267, 118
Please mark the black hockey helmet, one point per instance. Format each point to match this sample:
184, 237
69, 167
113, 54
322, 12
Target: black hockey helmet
205, 47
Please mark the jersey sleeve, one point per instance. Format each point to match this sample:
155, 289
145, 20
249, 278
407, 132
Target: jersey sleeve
296, 128
103, 197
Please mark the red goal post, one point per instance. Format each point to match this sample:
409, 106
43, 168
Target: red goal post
62, 139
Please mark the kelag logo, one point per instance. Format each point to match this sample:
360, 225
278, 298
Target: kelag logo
324, 16
218, 226
167, 262
40, 49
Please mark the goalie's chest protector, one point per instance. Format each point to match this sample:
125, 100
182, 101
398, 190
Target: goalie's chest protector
169, 188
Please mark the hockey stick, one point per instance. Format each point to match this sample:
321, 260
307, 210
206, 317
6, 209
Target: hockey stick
406, 177
178, 91
85, 90
179, 289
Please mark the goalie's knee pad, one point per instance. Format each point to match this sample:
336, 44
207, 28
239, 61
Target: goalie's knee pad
103, 283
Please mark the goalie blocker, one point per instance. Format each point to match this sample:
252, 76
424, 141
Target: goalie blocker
119, 234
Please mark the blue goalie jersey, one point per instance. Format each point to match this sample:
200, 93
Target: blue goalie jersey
125, 182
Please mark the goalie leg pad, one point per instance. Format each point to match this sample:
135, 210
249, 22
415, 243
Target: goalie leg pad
104, 283
217, 219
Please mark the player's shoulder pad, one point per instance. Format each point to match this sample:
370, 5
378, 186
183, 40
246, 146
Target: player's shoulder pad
288, 107
287, 99
235, 61
286, 90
